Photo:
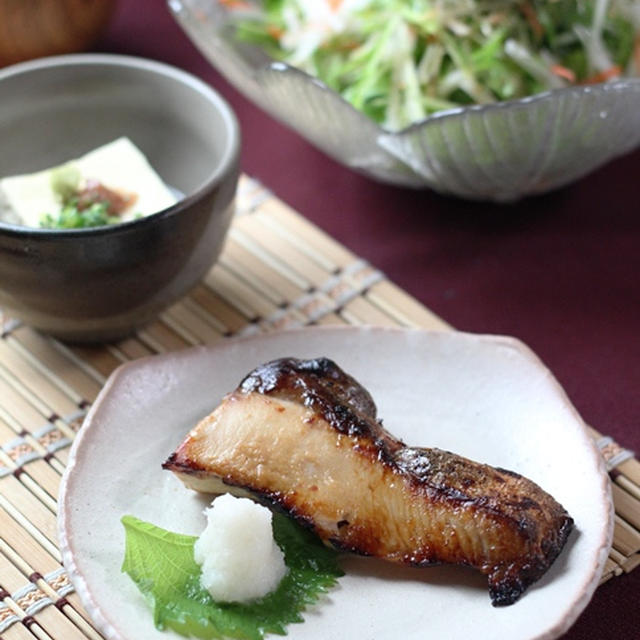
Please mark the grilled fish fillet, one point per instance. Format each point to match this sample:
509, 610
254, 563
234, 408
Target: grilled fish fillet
302, 436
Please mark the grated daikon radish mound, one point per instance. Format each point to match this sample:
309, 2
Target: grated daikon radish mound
239, 558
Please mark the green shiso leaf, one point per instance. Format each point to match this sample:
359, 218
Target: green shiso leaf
161, 564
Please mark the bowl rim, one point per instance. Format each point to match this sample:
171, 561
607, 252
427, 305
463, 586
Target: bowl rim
225, 165
619, 84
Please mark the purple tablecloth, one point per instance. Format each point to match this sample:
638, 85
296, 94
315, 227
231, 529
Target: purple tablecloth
561, 271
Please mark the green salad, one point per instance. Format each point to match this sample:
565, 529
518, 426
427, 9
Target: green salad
399, 61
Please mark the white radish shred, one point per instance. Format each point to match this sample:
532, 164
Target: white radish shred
239, 558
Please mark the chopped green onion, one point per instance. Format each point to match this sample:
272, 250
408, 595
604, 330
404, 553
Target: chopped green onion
70, 217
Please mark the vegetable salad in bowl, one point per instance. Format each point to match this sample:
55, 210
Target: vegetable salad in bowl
488, 99
399, 61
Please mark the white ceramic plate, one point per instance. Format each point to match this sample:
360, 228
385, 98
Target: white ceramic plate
486, 398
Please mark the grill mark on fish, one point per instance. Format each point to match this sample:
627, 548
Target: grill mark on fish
337, 471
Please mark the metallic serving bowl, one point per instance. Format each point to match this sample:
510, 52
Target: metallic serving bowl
104, 282
501, 151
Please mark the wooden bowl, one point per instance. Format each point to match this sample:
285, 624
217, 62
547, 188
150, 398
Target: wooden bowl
35, 28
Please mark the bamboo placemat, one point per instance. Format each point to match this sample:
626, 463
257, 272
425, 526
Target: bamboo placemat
277, 271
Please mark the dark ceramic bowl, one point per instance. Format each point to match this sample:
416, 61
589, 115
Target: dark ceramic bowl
105, 282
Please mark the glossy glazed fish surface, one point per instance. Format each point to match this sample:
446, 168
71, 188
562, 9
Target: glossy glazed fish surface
303, 436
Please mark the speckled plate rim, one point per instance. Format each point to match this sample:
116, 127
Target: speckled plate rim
98, 610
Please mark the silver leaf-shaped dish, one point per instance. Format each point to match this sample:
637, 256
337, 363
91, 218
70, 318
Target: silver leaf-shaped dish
502, 151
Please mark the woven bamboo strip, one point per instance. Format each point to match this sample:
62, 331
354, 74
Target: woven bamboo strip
35, 450
54, 623
627, 506
626, 484
33, 382
17, 499
26, 431
201, 312
297, 260
161, 338
57, 364
361, 311
42, 480
299, 227
202, 331
63, 455
17, 632
25, 476
610, 570
40, 569
626, 538
20, 493
44, 475
38, 364
217, 307
16, 542
116, 353
407, 310
180, 330
96, 360
7, 435
251, 195
244, 297
285, 233
8, 511
616, 556
630, 469
239, 258
270, 260
132, 348
280, 320
53, 426
12, 580
54, 583
631, 563
150, 342
35, 630
30, 602
29, 417
331, 318
255, 280
61, 360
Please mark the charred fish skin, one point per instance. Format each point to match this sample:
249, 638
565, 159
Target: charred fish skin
320, 384
532, 527
303, 437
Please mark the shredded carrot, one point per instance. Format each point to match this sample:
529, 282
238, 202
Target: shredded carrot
349, 45
530, 14
335, 4
605, 75
497, 18
235, 4
563, 72
274, 31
